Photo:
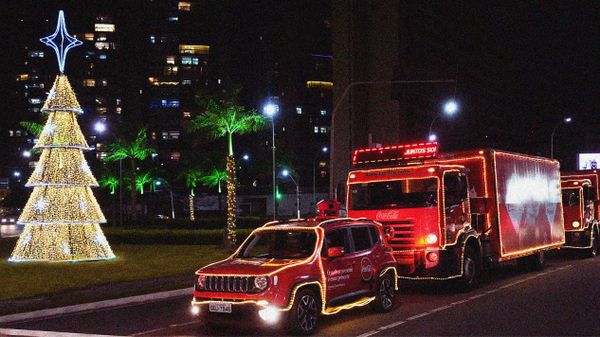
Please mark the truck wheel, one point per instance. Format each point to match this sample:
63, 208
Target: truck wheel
595, 245
470, 270
304, 313
386, 291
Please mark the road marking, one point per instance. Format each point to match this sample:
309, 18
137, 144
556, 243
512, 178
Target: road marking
412, 318
171, 326
41, 333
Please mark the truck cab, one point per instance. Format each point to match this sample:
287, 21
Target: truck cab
580, 204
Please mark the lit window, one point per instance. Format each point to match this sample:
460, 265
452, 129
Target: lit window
171, 70
186, 82
170, 60
197, 49
101, 37
323, 112
188, 60
316, 129
187, 114
36, 53
152, 39
11, 133
101, 155
184, 6
165, 135
102, 56
319, 84
174, 134
175, 155
102, 45
323, 130
299, 110
101, 110
103, 83
88, 36
35, 101
118, 110
173, 18
23, 77
104, 27
118, 101
89, 82
18, 133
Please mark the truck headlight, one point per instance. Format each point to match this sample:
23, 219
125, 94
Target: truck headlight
261, 282
201, 282
576, 224
431, 239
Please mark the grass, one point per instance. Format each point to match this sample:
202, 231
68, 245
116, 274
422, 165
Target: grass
133, 262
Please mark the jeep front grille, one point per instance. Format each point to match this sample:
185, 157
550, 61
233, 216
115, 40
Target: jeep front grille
230, 284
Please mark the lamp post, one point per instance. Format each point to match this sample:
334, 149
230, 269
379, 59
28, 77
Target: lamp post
100, 127
450, 109
337, 105
565, 120
270, 110
324, 149
286, 173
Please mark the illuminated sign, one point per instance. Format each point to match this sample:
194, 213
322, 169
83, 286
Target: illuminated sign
395, 153
104, 27
589, 161
196, 49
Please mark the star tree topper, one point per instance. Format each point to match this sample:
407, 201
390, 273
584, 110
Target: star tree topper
61, 41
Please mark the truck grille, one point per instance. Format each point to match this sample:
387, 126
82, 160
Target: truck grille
402, 235
230, 284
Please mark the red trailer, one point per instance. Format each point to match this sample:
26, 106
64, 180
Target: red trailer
581, 208
447, 216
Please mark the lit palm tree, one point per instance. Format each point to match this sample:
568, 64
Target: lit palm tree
32, 127
224, 119
141, 180
109, 181
191, 175
136, 150
214, 179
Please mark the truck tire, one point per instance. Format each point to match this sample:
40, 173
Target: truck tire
304, 314
470, 270
385, 294
595, 245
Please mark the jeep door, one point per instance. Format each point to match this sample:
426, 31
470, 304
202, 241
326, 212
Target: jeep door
340, 272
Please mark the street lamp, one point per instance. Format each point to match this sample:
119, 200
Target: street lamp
449, 109
246, 157
286, 173
270, 110
26, 154
100, 127
324, 149
565, 120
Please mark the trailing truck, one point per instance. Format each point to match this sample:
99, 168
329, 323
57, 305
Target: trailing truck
449, 216
581, 208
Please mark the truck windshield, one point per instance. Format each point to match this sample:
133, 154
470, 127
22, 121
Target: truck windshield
570, 197
409, 193
279, 244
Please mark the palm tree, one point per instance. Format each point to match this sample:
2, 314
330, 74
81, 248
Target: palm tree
214, 179
141, 180
32, 127
137, 149
224, 118
191, 176
109, 181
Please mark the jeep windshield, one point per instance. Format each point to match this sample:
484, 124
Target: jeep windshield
407, 193
279, 244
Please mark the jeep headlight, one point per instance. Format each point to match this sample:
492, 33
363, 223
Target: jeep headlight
576, 224
261, 282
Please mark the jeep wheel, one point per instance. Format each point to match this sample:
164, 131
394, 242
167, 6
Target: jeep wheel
386, 291
470, 270
304, 313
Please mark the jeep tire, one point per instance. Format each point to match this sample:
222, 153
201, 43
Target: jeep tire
304, 314
385, 293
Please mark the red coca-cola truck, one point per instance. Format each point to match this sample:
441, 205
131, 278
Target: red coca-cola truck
449, 215
581, 208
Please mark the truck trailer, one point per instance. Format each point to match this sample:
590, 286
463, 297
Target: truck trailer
448, 216
581, 208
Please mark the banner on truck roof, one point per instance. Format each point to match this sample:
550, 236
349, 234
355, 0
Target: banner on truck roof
588, 161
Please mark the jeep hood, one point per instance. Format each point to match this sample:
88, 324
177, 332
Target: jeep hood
247, 266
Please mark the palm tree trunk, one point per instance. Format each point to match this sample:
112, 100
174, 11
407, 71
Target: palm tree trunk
192, 218
133, 195
230, 233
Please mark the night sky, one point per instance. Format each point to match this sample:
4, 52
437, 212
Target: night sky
522, 67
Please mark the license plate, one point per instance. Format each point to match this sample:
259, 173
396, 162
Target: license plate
222, 307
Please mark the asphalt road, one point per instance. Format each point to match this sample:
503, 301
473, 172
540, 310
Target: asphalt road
563, 299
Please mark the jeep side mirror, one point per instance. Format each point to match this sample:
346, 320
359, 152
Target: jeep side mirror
335, 252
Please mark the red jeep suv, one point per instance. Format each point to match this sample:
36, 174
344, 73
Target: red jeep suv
293, 271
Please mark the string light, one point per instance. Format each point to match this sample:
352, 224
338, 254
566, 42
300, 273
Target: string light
62, 215
231, 204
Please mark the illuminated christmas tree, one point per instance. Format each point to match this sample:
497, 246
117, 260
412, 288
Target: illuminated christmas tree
62, 215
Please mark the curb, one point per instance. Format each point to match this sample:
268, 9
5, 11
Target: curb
96, 305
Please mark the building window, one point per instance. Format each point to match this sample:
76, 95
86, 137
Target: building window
36, 53
170, 60
118, 101
104, 27
22, 77
187, 114
184, 6
101, 110
152, 39
35, 101
118, 110
299, 110
89, 82
103, 83
102, 45
319, 84
175, 155
171, 70
186, 82
196, 49
173, 18
316, 129
102, 57
323, 112
88, 36
188, 60
323, 129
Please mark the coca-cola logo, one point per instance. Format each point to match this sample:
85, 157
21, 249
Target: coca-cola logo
387, 215
366, 269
